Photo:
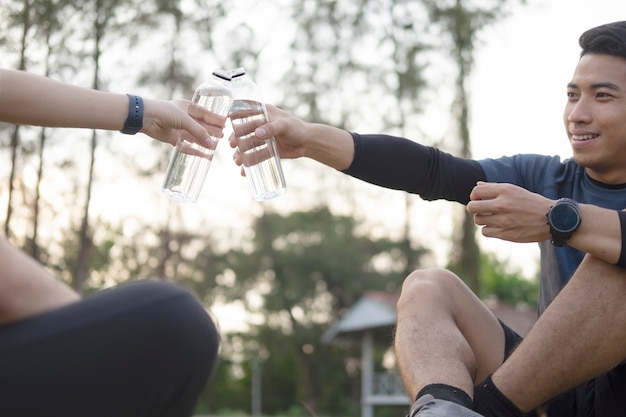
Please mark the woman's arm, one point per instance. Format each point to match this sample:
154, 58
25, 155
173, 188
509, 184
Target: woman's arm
30, 99
26, 288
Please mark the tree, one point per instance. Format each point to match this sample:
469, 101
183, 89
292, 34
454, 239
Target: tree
507, 286
107, 20
23, 19
462, 21
48, 15
355, 63
41, 38
296, 274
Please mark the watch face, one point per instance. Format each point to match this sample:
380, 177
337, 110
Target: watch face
564, 218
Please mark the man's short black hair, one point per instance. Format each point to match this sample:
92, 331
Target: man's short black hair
605, 39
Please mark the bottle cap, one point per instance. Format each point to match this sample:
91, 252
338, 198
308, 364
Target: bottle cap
222, 74
237, 72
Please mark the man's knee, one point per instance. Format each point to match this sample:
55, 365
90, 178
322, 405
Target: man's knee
430, 284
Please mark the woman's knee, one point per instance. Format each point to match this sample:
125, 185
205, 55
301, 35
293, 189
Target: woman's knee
171, 316
182, 315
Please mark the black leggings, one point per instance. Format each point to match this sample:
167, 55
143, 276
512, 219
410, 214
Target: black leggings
604, 396
144, 349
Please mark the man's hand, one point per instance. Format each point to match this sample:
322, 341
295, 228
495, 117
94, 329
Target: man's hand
509, 212
296, 138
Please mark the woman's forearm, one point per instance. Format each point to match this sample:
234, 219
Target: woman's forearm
31, 99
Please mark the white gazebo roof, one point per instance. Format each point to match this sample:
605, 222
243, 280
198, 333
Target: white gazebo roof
374, 309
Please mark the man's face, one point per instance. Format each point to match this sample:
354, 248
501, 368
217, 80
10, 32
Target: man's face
595, 117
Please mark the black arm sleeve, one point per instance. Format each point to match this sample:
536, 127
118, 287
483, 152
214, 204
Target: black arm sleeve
402, 164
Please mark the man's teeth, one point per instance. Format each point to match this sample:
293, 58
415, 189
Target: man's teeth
583, 137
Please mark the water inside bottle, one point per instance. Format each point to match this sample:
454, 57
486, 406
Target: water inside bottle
260, 157
190, 162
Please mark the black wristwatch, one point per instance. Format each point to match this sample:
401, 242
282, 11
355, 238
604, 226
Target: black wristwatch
564, 219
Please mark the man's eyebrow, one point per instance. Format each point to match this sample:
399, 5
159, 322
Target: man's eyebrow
596, 86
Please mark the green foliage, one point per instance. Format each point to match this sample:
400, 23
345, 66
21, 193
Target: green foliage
297, 259
507, 286
308, 268
297, 373
228, 393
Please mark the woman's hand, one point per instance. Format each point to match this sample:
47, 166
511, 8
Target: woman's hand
169, 120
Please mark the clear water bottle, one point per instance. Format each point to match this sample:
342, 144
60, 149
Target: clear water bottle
190, 162
261, 161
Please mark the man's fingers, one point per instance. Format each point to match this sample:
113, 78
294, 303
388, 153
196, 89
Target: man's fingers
484, 190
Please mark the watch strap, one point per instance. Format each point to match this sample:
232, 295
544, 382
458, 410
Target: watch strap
134, 121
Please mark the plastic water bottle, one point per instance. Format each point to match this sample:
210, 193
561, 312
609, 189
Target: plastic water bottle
261, 161
190, 162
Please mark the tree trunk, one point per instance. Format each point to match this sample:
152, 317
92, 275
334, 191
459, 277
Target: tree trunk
84, 237
34, 246
15, 136
15, 142
466, 260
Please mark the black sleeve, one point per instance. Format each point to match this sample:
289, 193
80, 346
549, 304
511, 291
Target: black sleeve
402, 164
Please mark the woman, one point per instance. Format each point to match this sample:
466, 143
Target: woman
140, 349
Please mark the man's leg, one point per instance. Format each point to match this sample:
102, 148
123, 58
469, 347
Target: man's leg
581, 335
445, 334
142, 349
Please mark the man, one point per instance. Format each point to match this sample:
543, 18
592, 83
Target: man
453, 354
